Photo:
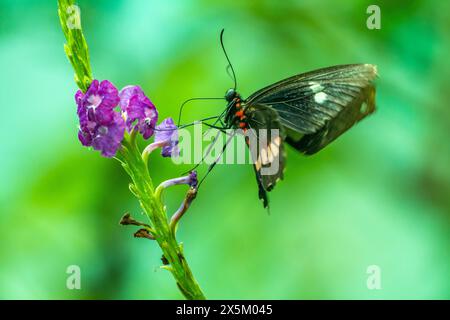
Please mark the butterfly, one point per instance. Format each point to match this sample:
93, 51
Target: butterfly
310, 110
307, 111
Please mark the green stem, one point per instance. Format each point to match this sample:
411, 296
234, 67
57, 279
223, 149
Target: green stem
77, 51
154, 209
76, 47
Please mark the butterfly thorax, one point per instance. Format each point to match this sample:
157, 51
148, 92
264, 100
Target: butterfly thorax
235, 116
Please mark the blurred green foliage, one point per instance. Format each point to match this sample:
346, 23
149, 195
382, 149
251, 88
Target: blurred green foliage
378, 195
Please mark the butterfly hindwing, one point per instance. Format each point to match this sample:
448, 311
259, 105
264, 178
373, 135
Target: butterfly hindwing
318, 106
265, 140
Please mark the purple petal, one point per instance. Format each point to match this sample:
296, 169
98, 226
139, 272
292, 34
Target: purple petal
108, 138
79, 97
93, 89
109, 94
104, 115
193, 181
85, 137
126, 94
134, 110
167, 131
148, 123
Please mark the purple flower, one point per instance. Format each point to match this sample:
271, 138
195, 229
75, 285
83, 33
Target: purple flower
190, 180
139, 110
100, 126
97, 104
167, 136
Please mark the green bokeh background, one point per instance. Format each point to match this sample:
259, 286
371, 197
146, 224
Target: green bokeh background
379, 195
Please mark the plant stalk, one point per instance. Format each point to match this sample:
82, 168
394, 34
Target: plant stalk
154, 209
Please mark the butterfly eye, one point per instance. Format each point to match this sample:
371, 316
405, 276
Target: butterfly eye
230, 95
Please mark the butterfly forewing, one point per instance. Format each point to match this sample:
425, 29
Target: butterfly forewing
318, 106
354, 111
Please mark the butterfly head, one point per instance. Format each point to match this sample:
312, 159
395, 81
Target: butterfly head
234, 108
230, 95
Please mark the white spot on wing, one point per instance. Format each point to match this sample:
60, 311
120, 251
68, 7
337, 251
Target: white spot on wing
315, 87
320, 97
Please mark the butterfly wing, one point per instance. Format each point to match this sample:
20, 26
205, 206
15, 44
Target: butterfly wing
265, 140
318, 106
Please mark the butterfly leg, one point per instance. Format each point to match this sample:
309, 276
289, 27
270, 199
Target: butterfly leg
213, 142
212, 165
213, 126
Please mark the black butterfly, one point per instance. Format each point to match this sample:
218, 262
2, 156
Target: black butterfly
309, 110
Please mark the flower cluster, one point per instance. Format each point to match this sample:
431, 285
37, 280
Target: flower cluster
105, 114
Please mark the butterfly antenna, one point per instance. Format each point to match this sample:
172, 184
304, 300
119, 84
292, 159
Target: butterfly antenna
228, 59
190, 100
230, 66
